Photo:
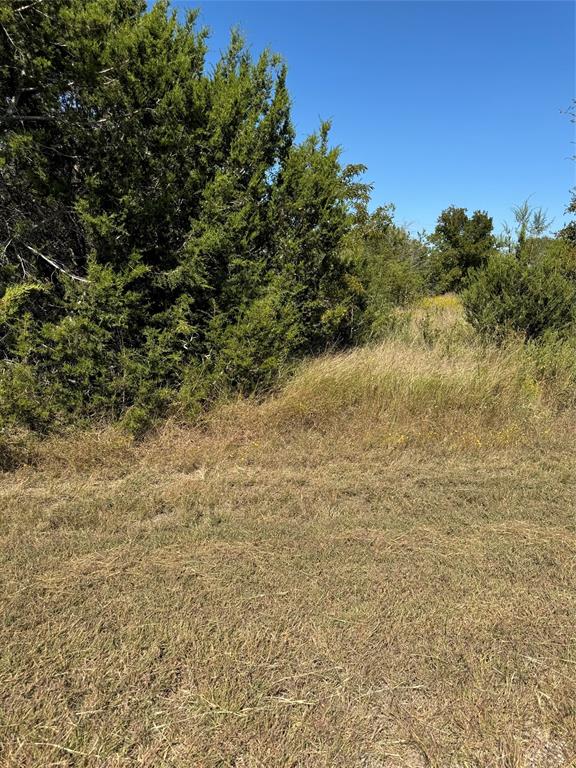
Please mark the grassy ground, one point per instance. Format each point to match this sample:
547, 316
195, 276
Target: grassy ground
375, 568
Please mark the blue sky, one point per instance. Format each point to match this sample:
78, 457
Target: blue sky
445, 102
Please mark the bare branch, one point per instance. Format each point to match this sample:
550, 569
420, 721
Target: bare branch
8, 36
23, 118
30, 5
56, 265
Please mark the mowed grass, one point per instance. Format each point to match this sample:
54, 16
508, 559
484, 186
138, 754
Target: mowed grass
375, 567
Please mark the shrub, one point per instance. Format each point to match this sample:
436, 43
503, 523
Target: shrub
389, 264
460, 243
157, 221
530, 294
252, 349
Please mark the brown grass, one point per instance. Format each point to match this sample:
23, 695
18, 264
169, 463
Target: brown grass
374, 568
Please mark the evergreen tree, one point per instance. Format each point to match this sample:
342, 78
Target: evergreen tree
159, 224
460, 243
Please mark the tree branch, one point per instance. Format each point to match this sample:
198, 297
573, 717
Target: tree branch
56, 265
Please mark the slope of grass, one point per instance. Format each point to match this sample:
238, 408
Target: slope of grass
376, 567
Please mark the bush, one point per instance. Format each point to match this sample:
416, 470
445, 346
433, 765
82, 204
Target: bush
460, 243
530, 294
250, 351
140, 256
389, 264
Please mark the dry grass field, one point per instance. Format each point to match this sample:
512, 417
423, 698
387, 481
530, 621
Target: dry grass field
374, 568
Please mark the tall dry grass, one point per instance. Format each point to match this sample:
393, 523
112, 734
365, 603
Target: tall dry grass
375, 567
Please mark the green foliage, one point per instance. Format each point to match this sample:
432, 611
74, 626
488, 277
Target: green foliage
460, 243
531, 294
259, 344
568, 231
389, 266
163, 238
158, 222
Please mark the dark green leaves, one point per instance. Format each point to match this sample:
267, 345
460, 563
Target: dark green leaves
209, 240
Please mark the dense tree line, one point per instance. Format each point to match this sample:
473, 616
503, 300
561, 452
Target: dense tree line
161, 228
522, 281
164, 237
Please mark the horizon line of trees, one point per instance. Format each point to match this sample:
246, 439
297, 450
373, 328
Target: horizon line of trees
164, 237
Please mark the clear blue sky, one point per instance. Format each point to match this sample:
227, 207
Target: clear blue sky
445, 102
